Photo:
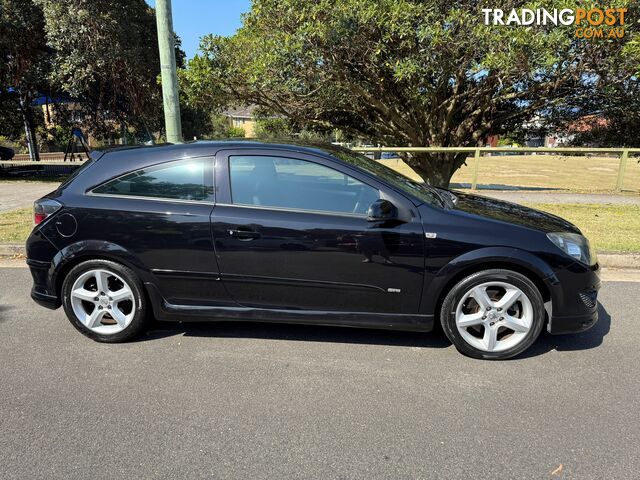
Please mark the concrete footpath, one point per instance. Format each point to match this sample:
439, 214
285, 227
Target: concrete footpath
15, 194
548, 196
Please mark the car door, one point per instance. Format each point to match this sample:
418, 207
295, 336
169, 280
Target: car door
291, 232
161, 214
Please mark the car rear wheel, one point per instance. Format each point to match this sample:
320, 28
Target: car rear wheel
104, 301
493, 314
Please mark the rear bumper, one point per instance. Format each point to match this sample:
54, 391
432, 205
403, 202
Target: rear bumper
45, 300
575, 299
41, 292
40, 254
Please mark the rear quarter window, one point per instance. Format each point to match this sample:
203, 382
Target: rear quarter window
189, 180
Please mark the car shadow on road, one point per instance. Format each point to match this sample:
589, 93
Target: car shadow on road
589, 339
307, 333
311, 333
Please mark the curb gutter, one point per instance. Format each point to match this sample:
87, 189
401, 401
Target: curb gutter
12, 250
623, 261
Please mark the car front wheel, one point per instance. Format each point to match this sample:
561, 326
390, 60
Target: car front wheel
493, 314
104, 301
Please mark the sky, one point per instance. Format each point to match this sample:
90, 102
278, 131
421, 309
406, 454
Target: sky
193, 19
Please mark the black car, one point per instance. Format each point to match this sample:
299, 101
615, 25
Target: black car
6, 153
302, 234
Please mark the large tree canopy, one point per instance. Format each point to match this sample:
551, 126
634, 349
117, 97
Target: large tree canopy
103, 55
608, 102
403, 72
106, 56
24, 65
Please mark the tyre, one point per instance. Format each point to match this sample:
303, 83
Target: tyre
104, 301
493, 314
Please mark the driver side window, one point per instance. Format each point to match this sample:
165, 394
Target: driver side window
296, 184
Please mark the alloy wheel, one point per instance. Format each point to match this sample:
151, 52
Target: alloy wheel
494, 316
102, 301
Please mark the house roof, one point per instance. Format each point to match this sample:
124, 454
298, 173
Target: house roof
588, 123
241, 112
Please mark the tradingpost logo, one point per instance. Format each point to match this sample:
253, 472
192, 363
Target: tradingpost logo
590, 23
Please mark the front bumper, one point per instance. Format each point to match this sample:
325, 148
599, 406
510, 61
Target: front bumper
572, 324
574, 299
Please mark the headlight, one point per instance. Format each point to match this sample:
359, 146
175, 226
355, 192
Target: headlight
575, 246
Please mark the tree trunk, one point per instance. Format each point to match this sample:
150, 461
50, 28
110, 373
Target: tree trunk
29, 130
436, 168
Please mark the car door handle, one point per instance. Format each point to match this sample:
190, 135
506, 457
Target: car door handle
243, 234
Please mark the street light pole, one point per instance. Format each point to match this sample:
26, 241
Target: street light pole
170, 98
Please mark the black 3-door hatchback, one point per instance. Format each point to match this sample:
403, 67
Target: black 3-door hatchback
302, 234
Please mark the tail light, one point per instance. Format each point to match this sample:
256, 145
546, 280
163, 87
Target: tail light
43, 209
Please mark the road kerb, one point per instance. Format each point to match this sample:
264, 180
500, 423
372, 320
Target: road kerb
12, 250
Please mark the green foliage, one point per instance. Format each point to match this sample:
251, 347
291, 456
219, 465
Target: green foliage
196, 116
17, 143
220, 127
196, 122
103, 55
404, 72
314, 136
60, 137
106, 56
267, 127
198, 80
507, 141
10, 115
181, 56
631, 52
23, 53
24, 64
235, 132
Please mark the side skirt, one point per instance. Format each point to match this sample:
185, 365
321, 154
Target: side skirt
165, 311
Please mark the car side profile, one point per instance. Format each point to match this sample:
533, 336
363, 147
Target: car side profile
310, 234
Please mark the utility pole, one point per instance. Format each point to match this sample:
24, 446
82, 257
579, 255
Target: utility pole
164, 23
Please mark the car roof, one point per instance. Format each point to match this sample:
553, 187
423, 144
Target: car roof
115, 161
204, 147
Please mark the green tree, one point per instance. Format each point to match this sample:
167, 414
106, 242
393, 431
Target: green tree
605, 111
24, 66
106, 57
400, 72
222, 128
268, 127
608, 117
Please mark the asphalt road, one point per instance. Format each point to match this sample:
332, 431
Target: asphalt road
267, 401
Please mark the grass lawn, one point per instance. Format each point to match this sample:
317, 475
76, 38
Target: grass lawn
559, 172
16, 225
611, 228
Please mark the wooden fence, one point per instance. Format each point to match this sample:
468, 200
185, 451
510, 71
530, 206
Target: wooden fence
622, 153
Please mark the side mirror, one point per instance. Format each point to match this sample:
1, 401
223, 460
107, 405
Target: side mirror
382, 211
